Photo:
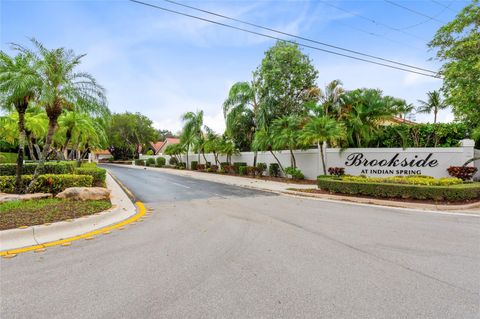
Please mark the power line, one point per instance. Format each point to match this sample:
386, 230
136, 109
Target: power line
444, 6
414, 11
298, 37
278, 39
430, 19
371, 20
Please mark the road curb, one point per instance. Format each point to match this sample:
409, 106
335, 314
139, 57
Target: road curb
453, 209
123, 212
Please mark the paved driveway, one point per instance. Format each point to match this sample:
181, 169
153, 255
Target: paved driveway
215, 251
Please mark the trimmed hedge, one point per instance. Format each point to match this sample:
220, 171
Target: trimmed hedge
48, 183
193, 165
150, 162
460, 192
161, 161
8, 157
139, 162
98, 174
29, 168
411, 179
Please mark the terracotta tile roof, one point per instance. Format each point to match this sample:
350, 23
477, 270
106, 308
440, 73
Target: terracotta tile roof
157, 145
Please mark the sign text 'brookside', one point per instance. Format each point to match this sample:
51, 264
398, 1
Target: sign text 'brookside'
392, 165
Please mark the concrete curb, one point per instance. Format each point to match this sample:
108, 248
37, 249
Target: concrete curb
122, 208
282, 188
454, 209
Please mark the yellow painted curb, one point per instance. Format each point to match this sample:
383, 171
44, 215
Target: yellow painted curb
141, 211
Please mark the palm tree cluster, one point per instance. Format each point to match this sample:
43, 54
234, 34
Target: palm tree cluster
60, 112
200, 139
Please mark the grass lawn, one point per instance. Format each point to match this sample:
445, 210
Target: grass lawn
36, 212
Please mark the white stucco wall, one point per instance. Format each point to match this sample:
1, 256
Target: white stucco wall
368, 161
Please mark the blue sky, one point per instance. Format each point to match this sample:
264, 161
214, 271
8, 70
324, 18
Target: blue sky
163, 65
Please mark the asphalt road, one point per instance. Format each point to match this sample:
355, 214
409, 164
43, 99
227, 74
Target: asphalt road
215, 251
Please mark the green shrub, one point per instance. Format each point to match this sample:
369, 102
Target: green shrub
223, 164
413, 180
48, 183
150, 162
89, 165
161, 161
420, 135
8, 157
172, 161
49, 168
200, 167
242, 170
139, 162
459, 192
261, 168
294, 172
193, 165
214, 168
274, 170
237, 166
250, 170
99, 175
149, 152
181, 165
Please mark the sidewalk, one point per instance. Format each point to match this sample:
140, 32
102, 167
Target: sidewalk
283, 188
122, 208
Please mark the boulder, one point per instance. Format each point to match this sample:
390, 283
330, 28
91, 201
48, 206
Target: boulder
85, 193
11, 197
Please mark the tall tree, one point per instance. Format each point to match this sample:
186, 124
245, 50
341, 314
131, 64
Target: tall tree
457, 45
363, 111
240, 109
331, 97
264, 141
192, 130
283, 81
20, 83
63, 88
128, 133
286, 135
322, 129
434, 104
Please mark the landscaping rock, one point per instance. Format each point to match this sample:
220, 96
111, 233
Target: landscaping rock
85, 193
11, 197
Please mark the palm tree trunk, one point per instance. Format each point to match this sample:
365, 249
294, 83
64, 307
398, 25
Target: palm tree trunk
30, 147
52, 125
187, 158
320, 147
435, 111
21, 146
203, 154
255, 159
292, 159
279, 164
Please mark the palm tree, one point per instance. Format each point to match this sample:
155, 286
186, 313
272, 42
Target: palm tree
434, 104
332, 96
36, 123
212, 144
285, 133
242, 119
322, 129
363, 111
228, 148
263, 141
192, 130
63, 88
19, 84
